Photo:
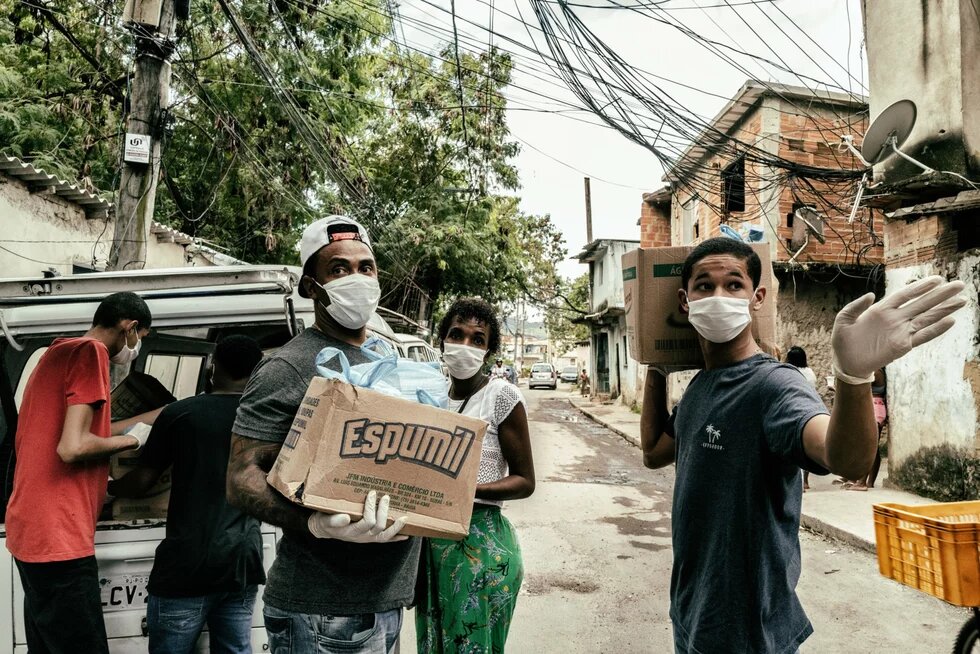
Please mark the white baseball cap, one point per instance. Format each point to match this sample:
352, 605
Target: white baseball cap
327, 230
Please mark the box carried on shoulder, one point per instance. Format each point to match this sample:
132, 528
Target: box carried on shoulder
659, 334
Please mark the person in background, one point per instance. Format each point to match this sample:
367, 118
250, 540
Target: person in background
742, 431
796, 356
469, 587
208, 567
499, 370
63, 443
878, 391
336, 585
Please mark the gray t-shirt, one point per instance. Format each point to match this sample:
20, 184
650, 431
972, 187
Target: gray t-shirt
311, 575
736, 509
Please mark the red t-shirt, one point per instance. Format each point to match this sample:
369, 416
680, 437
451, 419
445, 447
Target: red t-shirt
54, 508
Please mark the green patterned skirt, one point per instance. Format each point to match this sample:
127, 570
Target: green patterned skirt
470, 588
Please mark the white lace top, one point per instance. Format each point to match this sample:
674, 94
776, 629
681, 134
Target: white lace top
492, 403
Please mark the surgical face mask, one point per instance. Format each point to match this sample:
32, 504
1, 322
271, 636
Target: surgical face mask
463, 361
353, 299
127, 354
719, 319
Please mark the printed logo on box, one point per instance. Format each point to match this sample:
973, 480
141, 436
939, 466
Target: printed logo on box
667, 269
629, 274
430, 447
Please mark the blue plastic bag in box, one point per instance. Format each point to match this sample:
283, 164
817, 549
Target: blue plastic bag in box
386, 373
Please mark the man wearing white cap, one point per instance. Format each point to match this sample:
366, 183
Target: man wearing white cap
336, 585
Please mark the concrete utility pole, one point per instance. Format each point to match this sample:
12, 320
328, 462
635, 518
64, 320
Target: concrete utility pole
588, 210
152, 23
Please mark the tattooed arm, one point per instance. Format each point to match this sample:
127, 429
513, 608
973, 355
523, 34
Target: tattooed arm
247, 489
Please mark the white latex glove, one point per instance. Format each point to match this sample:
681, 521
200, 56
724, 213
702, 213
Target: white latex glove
369, 529
868, 337
140, 431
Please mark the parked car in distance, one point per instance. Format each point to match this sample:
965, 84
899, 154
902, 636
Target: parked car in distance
412, 347
569, 374
543, 374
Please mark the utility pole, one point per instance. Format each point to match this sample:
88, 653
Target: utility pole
152, 24
588, 210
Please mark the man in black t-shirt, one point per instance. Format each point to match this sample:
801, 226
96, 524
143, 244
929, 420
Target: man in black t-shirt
207, 569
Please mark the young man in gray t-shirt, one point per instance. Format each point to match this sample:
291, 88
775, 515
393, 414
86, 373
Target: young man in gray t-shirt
745, 427
335, 586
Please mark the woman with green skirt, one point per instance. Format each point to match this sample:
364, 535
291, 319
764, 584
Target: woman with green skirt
469, 587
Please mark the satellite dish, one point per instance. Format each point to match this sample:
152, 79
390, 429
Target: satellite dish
888, 131
812, 221
730, 233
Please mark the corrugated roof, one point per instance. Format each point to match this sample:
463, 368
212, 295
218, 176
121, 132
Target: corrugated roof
37, 180
751, 92
95, 206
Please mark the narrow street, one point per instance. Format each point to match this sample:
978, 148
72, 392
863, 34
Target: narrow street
596, 542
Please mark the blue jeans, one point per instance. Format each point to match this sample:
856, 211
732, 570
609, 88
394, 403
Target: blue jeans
302, 633
175, 623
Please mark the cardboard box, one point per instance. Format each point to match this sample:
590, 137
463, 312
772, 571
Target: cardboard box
153, 506
658, 332
137, 394
347, 441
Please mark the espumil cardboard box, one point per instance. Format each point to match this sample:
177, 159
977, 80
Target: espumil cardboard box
658, 333
347, 441
136, 394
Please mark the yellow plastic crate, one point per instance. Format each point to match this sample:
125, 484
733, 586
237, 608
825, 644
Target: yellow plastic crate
934, 548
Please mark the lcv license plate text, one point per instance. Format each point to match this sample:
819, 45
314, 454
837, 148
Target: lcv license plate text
122, 593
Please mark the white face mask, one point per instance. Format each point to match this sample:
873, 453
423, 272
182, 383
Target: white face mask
463, 361
353, 299
719, 319
127, 354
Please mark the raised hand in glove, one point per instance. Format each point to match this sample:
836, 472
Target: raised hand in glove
868, 336
369, 529
140, 431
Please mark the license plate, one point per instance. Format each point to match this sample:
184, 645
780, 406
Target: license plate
124, 592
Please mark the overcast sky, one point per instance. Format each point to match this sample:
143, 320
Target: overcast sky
558, 150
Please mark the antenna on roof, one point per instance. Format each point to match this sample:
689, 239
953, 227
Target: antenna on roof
887, 133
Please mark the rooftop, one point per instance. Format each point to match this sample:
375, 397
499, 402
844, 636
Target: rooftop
751, 93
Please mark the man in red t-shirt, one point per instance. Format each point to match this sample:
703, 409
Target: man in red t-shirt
63, 444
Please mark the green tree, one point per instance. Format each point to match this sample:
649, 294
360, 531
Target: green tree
571, 302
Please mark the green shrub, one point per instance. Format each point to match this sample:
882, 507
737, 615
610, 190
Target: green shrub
942, 473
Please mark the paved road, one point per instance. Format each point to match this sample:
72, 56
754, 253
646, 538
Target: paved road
596, 542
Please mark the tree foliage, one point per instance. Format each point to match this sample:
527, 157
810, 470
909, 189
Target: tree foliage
415, 145
572, 302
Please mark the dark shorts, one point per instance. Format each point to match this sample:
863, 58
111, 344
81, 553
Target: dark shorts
63, 607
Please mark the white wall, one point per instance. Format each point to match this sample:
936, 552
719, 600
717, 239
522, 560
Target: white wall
40, 231
609, 288
927, 51
930, 398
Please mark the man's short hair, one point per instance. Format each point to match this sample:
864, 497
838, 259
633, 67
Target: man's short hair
473, 308
237, 355
122, 306
723, 245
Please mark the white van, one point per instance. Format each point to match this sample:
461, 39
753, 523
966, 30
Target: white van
412, 347
192, 308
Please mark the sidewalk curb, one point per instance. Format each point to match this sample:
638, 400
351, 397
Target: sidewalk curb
807, 521
632, 440
822, 528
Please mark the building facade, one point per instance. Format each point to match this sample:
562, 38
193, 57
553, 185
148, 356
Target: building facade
49, 226
613, 371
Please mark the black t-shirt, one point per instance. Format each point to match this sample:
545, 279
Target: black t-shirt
210, 546
736, 509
